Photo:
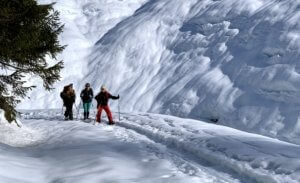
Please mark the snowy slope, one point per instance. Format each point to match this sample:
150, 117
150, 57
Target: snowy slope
144, 148
235, 60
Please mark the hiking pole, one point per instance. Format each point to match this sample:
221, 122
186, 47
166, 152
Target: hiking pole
119, 109
77, 108
62, 109
94, 112
76, 111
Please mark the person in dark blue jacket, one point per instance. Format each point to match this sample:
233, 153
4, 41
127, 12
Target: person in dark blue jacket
86, 96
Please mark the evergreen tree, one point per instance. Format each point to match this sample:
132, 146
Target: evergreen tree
28, 33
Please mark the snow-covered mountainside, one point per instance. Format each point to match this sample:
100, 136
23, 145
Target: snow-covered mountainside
235, 60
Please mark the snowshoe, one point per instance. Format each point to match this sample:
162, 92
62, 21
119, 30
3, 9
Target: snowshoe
111, 123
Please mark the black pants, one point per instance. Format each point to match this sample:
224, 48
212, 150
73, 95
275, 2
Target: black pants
69, 111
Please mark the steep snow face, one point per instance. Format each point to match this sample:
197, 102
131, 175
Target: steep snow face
235, 60
84, 23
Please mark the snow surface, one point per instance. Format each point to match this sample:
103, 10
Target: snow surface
235, 60
142, 147
232, 60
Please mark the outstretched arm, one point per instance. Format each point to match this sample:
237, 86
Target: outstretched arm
114, 97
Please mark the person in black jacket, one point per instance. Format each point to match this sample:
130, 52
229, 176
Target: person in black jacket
86, 96
102, 103
68, 96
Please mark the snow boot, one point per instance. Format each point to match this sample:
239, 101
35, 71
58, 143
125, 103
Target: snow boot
111, 123
71, 116
84, 114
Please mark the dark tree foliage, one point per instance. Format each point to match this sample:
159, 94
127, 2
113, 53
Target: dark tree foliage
28, 33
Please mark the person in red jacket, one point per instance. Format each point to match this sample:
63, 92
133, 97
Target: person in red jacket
102, 103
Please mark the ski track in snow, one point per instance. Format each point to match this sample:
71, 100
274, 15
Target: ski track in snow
202, 153
195, 171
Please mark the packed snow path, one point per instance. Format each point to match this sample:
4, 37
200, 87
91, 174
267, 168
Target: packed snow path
73, 151
145, 148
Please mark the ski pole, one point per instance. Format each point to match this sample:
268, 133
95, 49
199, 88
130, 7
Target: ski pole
62, 109
93, 113
75, 107
92, 107
78, 108
119, 109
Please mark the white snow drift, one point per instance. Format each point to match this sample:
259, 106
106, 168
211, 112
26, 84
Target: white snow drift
11, 133
235, 60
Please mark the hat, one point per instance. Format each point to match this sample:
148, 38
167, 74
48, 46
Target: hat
103, 87
87, 85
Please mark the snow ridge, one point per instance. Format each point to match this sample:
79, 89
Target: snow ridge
213, 153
